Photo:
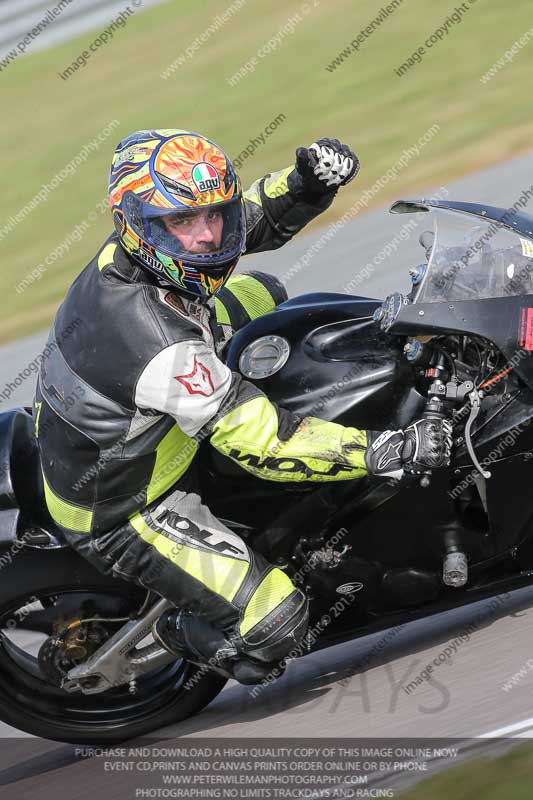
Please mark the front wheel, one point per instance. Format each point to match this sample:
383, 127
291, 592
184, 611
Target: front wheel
42, 591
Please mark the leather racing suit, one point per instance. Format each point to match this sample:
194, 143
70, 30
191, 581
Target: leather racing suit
129, 384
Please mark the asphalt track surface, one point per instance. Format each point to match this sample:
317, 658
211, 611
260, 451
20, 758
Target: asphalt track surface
324, 694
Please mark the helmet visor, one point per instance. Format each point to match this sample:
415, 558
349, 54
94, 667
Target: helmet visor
209, 236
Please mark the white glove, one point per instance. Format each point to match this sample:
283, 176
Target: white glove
333, 167
324, 164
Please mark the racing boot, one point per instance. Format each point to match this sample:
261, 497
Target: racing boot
187, 636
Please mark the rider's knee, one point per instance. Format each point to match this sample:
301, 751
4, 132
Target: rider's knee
275, 618
247, 296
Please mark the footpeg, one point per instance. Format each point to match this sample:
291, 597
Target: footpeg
455, 569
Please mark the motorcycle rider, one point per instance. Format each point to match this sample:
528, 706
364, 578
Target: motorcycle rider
118, 461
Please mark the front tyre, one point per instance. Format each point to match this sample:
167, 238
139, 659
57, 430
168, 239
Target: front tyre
40, 589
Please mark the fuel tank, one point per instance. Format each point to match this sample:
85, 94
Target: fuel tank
323, 355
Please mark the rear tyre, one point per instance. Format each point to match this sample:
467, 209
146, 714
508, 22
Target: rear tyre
36, 589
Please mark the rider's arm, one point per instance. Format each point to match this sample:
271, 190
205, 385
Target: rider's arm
279, 205
272, 443
276, 209
187, 381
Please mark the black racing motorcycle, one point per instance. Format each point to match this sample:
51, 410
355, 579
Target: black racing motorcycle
77, 661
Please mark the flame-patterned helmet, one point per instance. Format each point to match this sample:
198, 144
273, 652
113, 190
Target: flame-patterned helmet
173, 176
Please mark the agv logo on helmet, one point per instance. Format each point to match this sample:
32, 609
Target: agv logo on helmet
205, 177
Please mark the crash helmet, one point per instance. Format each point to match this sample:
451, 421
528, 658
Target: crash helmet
178, 209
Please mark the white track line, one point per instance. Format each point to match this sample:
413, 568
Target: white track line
509, 729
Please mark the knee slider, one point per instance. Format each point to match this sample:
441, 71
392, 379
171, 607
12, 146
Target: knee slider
275, 619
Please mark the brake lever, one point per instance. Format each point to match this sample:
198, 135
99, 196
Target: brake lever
475, 398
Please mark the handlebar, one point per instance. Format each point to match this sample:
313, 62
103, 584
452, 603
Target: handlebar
425, 480
434, 409
438, 393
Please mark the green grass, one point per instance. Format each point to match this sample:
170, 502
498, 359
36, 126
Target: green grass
46, 121
509, 777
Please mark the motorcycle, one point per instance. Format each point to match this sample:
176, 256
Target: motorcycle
77, 660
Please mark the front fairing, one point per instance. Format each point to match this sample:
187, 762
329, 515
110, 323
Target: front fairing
478, 280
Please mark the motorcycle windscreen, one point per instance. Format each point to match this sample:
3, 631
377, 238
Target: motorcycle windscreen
474, 259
